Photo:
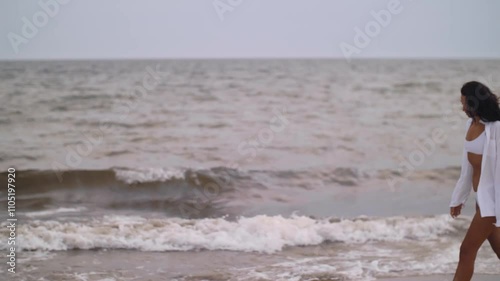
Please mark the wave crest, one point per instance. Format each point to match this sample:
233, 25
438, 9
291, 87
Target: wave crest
262, 233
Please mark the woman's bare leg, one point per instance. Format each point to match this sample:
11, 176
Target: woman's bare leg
494, 240
480, 229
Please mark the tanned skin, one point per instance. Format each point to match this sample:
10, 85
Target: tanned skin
480, 228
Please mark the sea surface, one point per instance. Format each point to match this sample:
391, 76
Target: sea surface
195, 170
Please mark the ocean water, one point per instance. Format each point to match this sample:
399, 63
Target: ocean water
236, 169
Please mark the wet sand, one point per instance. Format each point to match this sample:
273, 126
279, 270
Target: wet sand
297, 263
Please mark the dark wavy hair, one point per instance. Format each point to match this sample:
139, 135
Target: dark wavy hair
480, 101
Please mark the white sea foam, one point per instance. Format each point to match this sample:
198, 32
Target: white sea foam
374, 262
260, 233
54, 212
138, 175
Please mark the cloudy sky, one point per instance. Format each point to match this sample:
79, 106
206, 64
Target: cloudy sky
82, 29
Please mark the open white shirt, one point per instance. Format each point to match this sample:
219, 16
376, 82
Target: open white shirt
488, 190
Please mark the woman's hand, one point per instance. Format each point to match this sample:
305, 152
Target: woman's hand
455, 211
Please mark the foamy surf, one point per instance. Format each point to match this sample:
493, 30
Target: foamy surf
131, 176
52, 212
265, 234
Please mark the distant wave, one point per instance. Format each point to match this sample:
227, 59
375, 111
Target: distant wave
43, 181
54, 211
46, 180
205, 192
175, 191
262, 233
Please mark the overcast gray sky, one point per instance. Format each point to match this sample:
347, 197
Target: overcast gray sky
247, 28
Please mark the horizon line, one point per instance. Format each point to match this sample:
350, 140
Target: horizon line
246, 58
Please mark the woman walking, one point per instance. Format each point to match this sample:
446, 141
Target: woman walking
481, 172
